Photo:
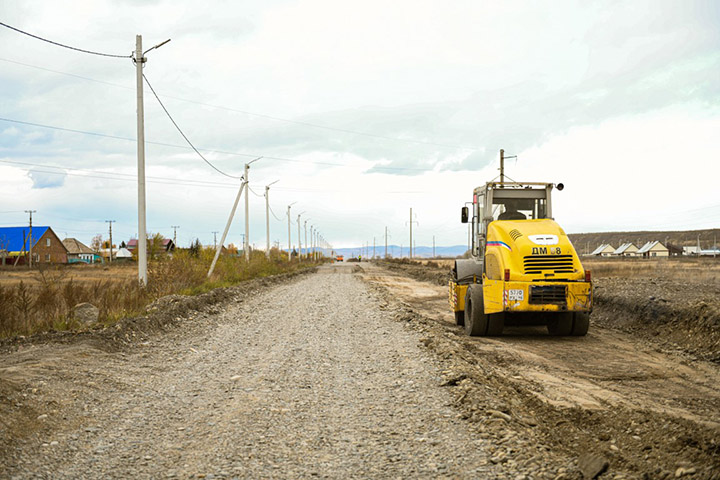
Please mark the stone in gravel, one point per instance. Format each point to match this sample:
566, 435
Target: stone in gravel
499, 414
85, 313
592, 465
42, 417
682, 471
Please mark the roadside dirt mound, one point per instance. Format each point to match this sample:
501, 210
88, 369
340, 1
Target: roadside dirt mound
427, 272
674, 314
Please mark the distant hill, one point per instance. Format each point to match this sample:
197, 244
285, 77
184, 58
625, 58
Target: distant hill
394, 250
587, 242
584, 243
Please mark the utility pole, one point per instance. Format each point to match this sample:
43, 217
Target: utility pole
300, 238
411, 239
411, 222
385, 242
307, 250
502, 164
139, 60
373, 248
289, 237
111, 222
31, 242
267, 215
142, 233
215, 239
433, 246
175, 227
247, 214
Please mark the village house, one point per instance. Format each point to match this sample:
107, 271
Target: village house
46, 246
626, 250
78, 252
604, 250
654, 249
166, 246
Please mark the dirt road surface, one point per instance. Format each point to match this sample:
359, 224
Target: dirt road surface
306, 379
353, 372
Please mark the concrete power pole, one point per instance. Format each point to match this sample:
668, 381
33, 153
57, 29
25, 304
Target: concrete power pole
307, 249
139, 60
31, 243
300, 238
289, 236
385, 243
111, 222
215, 239
411, 239
247, 214
267, 215
142, 232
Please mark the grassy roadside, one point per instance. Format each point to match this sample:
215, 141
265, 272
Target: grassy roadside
46, 304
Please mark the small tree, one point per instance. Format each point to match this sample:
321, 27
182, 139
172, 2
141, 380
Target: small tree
123, 244
195, 247
96, 243
155, 245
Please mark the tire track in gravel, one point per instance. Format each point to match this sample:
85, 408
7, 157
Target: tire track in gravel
309, 378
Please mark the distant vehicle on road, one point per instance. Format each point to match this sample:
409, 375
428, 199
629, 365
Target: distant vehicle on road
339, 258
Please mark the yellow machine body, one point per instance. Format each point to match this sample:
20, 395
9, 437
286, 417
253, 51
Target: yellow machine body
529, 266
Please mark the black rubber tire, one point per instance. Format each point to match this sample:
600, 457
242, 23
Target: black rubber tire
496, 324
581, 324
561, 324
460, 318
476, 321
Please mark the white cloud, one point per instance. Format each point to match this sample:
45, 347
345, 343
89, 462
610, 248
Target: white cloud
568, 87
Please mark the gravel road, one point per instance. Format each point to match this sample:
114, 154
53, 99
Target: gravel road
308, 378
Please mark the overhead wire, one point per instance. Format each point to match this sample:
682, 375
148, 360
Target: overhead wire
63, 45
261, 115
254, 192
237, 154
163, 180
183, 134
273, 214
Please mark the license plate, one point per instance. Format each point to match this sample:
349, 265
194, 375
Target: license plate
516, 295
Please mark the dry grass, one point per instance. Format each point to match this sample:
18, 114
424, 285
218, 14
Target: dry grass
43, 300
703, 270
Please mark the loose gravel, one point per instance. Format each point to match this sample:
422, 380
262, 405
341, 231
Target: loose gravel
312, 378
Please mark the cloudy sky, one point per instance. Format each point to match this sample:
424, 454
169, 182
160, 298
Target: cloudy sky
361, 111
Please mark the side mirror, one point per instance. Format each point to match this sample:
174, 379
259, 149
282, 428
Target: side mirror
464, 215
560, 186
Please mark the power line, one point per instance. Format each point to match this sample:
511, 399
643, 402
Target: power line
280, 159
172, 181
62, 45
254, 192
201, 183
183, 135
261, 115
273, 214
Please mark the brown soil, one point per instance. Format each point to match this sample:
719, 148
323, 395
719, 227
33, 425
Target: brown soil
635, 391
